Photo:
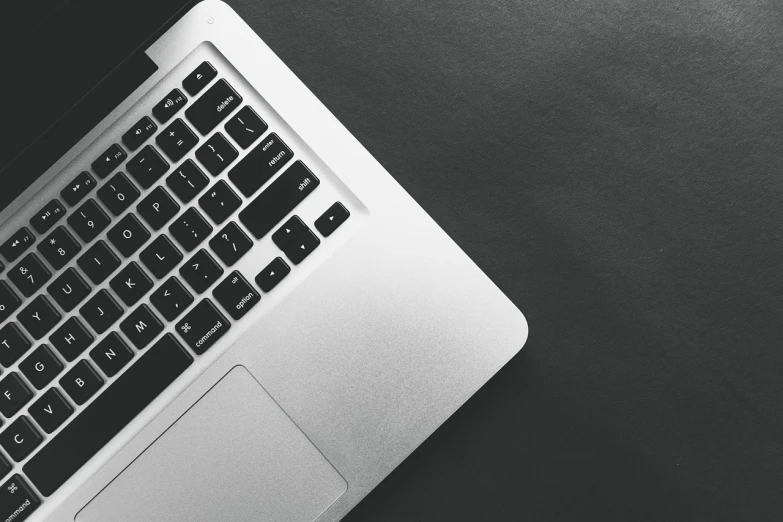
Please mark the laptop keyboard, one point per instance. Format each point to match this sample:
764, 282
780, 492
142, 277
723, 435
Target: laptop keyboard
172, 234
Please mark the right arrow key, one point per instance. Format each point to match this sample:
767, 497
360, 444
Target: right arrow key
332, 219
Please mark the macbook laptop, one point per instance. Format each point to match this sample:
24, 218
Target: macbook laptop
215, 304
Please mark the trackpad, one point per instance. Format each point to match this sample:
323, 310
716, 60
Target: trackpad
234, 455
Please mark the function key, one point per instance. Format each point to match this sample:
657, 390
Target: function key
171, 299
216, 154
270, 276
202, 326
71, 339
89, 220
219, 202
200, 271
101, 311
258, 167
111, 354
199, 78
331, 219
47, 216
169, 106
139, 133
158, 208
141, 327
41, 367
59, 247
109, 161
75, 191
187, 181
147, 166
13, 344
176, 140
19, 439
128, 235
236, 295
131, 283
17, 244
39, 317
213, 107
81, 382
118, 194
29, 275
245, 127
230, 244
190, 229
69, 289
17, 497
14, 394
9, 301
99, 262
51, 410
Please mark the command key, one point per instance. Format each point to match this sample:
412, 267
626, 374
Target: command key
17, 501
202, 326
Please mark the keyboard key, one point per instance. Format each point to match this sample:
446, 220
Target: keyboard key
258, 167
13, 344
14, 394
71, 339
39, 317
69, 289
216, 154
101, 311
199, 78
287, 236
111, 411
280, 198
59, 247
109, 161
99, 262
245, 127
81, 382
20, 438
306, 243
158, 208
16, 245
171, 299
47, 216
203, 326
235, 295
89, 221
332, 219
29, 275
5, 467
141, 327
201, 271
138, 134
17, 500
128, 235
147, 166
161, 256
230, 244
112, 354
219, 202
75, 191
274, 272
213, 107
176, 140
118, 194
41, 367
131, 283
9, 301
190, 229
169, 106
50, 410
187, 181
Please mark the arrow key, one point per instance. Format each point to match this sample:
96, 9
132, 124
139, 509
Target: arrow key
270, 276
171, 299
332, 219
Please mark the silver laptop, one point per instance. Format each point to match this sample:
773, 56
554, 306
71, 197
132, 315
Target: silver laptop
217, 305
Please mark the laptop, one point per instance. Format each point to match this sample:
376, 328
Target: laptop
215, 303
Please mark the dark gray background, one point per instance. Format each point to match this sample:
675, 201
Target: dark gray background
615, 167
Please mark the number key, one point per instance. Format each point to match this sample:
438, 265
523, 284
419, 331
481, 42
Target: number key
29, 274
89, 220
118, 193
59, 248
9, 301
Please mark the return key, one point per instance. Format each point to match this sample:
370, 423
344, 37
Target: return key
260, 165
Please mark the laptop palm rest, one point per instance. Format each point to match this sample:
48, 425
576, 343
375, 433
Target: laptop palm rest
234, 455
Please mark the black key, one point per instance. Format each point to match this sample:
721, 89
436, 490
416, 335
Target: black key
147, 166
332, 219
131, 284
20, 438
190, 229
187, 181
287, 236
306, 243
101, 311
199, 78
99, 262
245, 127
258, 167
81, 382
41, 367
47, 216
158, 208
139, 133
17, 244
219, 202
9, 301
111, 411
17, 500
59, 247
161, 256
39, 317
213, 107
5, 467
69, 289
112, 354
141, 327
171, 299
200, 271
118, 194
29, 275
169, 106
216, 154
14, 394
13, 344
51, 410
230, 244
176, 140
274, 272
71, 339
75, 191
280, 198
128, 235
236, 295
203, 326
109, 161
89, 220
